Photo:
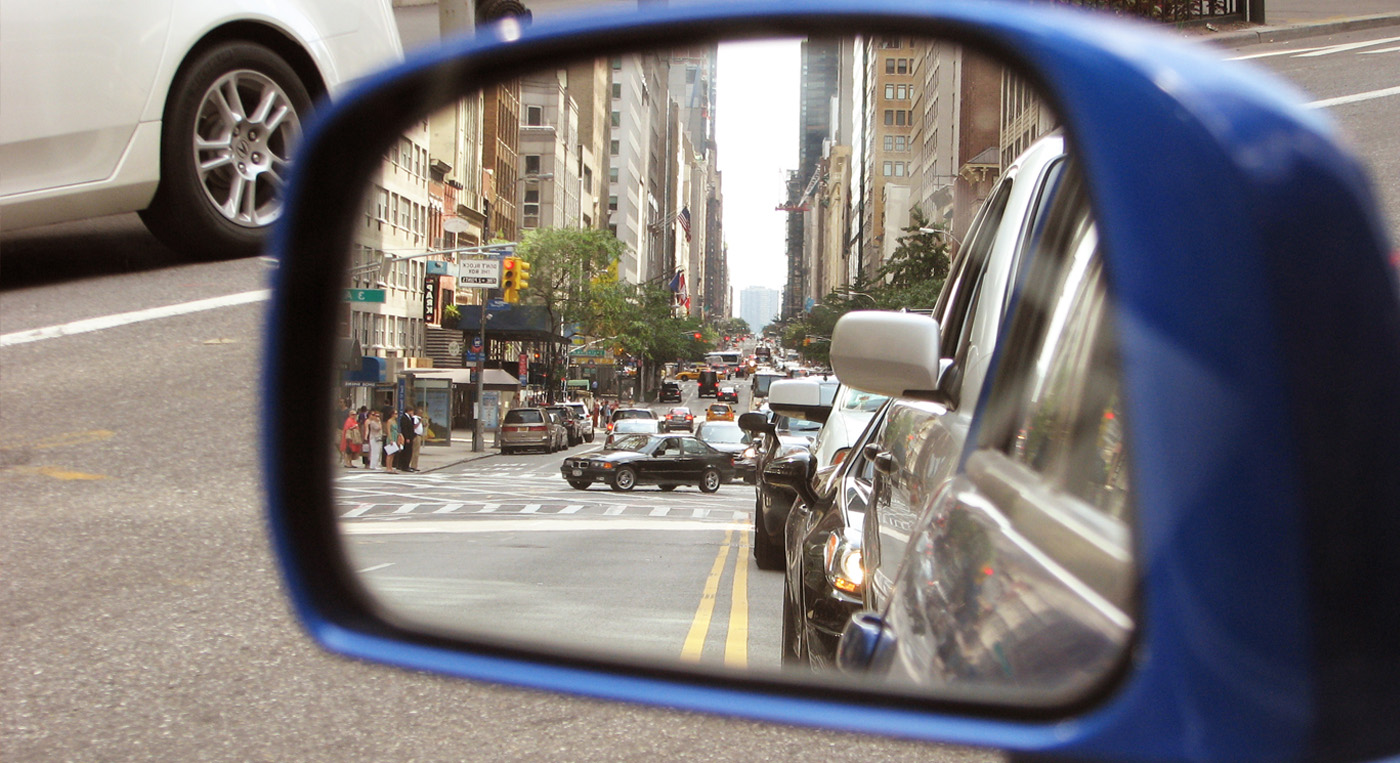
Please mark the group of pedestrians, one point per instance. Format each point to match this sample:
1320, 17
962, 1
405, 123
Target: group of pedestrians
381, 439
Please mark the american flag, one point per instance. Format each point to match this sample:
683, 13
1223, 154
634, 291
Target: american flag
684, 217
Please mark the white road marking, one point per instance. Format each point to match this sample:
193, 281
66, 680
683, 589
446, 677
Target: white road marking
1395, 49
1327, 51
449, 508
530, 508
614, 510
571, 509
1345, 99
1272, 54
487, 508
357, 511
660, 511
535, 524
376, 567
407, 508
135, 316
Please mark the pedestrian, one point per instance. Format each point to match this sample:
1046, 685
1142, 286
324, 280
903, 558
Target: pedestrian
374, 439
420, 436
406, 431
393, 441
362, 416
350, 439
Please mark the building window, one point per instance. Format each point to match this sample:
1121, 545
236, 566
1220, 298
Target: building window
889, 92
690, 75
615, 147
900, 118
588, 179
617, 89
902, 66
531, 210
612, 174
889, 66
617, 119
889, 116
534, 116
889, 169
616, 64
532, 164
889, 142
612, 203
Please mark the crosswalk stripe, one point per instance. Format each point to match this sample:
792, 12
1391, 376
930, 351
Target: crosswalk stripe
407, 508
448, 508
571, 509
487, 508
614, 510
530, 508
660, 511
358, 510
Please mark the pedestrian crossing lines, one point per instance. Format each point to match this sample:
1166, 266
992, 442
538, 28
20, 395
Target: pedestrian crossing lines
390, 511
1367, 47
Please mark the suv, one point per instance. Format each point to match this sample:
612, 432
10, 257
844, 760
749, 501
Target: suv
585, 419
670, 392
709, 384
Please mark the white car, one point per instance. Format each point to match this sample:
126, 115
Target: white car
186, 110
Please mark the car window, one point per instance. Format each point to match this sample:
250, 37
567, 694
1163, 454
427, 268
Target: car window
694, 447
524, 416
631, 442
956, 300
1060, 411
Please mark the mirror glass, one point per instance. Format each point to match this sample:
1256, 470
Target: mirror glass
649, 236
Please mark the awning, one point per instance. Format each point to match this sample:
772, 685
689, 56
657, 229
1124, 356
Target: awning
495, 377
371, 370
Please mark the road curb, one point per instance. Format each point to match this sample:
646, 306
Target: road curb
1299, 31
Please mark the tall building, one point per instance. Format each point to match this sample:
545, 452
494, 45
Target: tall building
759, 306
820, 80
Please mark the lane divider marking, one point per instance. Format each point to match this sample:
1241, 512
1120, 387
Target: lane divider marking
135, 316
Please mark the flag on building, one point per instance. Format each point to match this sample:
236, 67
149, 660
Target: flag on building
684, 217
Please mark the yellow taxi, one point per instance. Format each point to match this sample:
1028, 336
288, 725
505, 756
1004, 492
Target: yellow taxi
687, 375
719, 412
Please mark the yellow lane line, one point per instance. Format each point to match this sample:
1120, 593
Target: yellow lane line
700, 626
736, 649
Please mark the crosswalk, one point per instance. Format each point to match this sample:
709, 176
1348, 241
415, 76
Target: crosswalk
383, 511
1366, 48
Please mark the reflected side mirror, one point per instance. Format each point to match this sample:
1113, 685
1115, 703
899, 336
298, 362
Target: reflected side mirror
794, 472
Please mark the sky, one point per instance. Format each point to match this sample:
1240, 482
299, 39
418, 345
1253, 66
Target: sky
757, 133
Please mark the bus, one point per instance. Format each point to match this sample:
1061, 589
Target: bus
725, 361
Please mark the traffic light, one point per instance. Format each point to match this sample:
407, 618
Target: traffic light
510, 278
698, 336
522, 274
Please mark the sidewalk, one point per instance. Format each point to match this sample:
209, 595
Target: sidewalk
434, 457
1293, 20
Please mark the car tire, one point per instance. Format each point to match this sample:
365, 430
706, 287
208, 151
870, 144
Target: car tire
710, 480
667, 488
580, 484
767, 555
225, 212
624, 480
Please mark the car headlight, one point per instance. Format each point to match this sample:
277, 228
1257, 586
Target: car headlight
749, 454
844, 561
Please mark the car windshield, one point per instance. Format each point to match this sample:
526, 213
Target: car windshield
526, 416
856, 400
637, 442
679, 412
633, 413
723, 432
627, 426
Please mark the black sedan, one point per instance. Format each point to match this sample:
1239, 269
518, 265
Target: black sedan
664, 460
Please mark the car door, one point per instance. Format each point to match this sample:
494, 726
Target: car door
667, 462
922, 440
696, 456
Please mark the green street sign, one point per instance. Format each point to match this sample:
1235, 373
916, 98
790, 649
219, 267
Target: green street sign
364, 295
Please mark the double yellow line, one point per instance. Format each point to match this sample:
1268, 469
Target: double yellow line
736, 644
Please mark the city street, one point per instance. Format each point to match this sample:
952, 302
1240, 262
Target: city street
143, 616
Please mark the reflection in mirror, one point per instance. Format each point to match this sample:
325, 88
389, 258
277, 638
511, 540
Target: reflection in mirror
560, 251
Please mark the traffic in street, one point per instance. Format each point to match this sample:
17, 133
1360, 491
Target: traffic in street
145, 617
506, 541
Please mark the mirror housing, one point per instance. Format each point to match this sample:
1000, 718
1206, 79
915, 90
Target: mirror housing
794, 472
862, 356
756, 423
1296, 686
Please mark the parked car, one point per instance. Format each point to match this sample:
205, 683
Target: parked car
630, 427
678, 418
192, 120
532, 428
584, 417
779, 435
573, 428
727, 394
666, 461
670, 392
728, 437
